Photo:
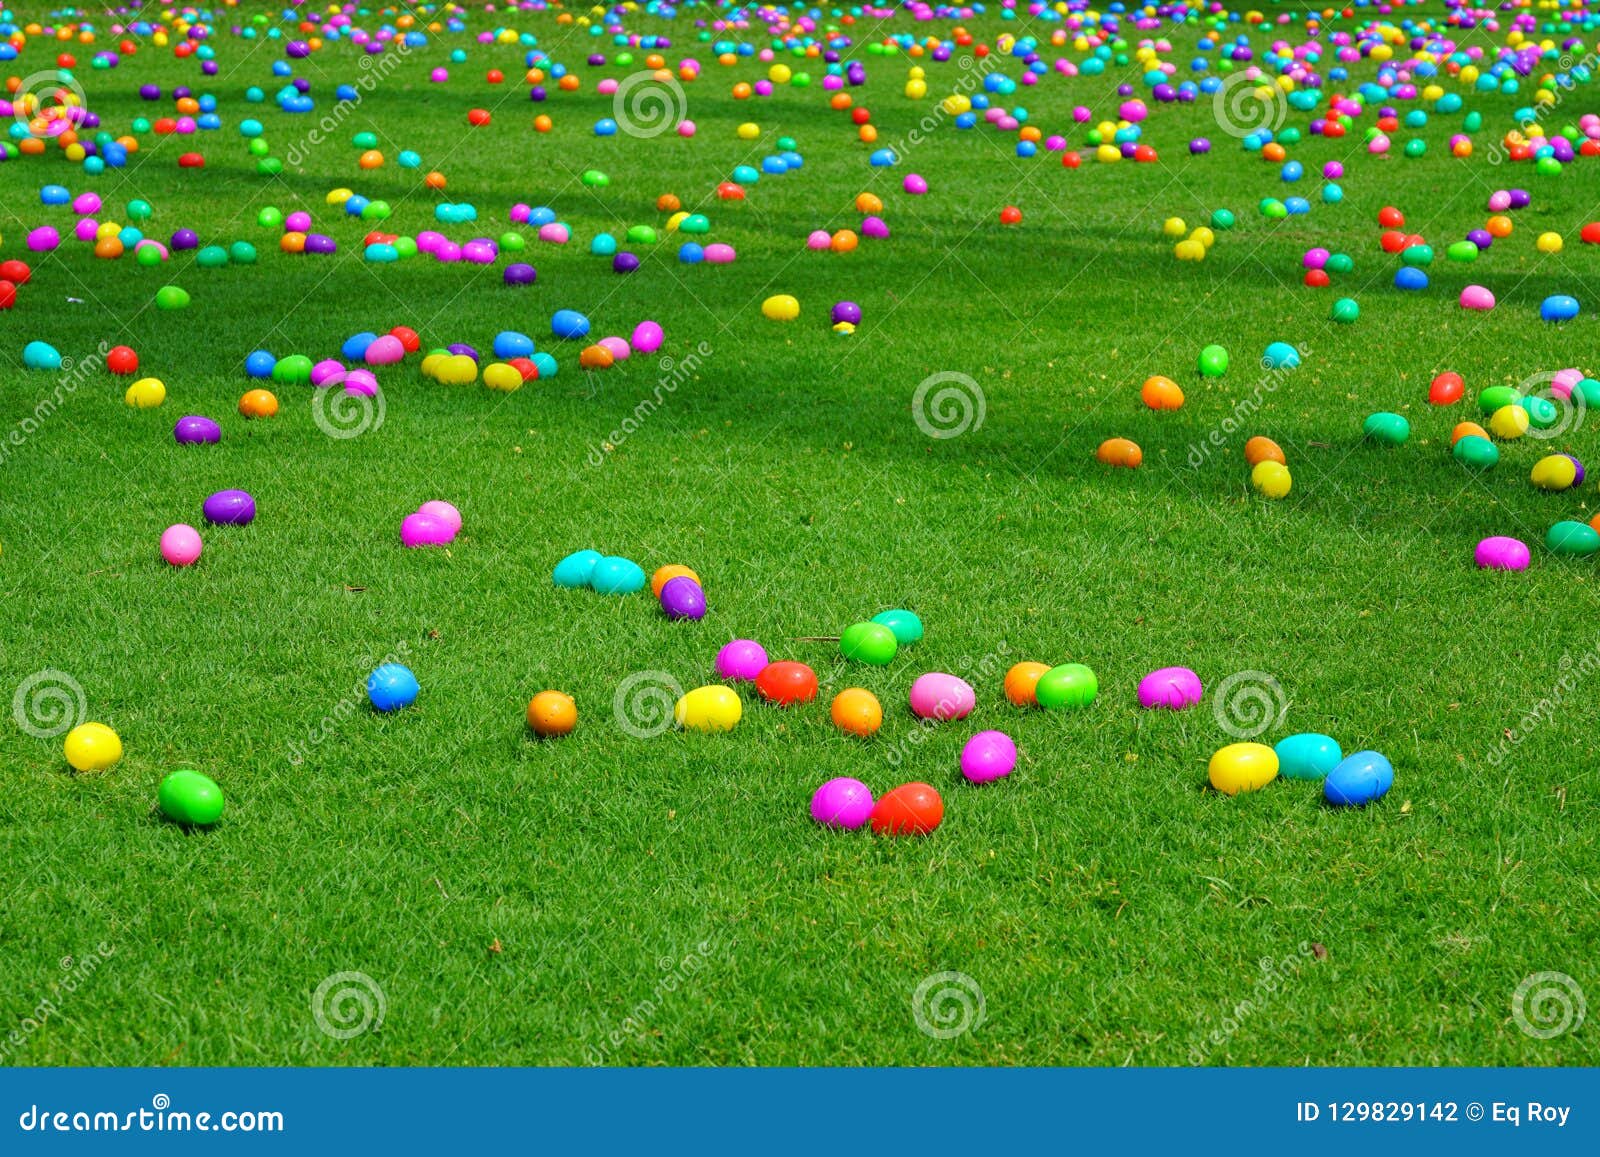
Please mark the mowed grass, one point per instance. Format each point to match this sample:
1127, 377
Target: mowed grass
668, 901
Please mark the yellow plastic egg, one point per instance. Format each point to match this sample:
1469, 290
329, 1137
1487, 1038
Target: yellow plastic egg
1205, 236
713, 708
1509, 422
146, 394
430, 365
1189, 250
676, 219
1271, 479
1555, 472
781, 307
1174, 227
1243, 767
458, 370
499, 376
749, 131
779, 74
339, 196
955, 104
1108, 154
1549, 243
916, 89
92, 747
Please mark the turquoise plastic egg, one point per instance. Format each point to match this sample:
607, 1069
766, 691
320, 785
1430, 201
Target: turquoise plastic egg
1307, 756
1387, 429
617, 576
905, 625
1572, 538
576, 570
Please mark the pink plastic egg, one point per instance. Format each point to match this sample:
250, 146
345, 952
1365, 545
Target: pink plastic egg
1501, 553
741, 659
445, 512
647, 337
385, 351
937, 695
988, 755
180, 544
842, 803
1171, 687
425, 530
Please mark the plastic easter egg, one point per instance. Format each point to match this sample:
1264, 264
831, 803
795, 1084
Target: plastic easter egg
1259, 449
38, 355
172, 297
92, 747
1493, 398
258, 404
1476, 297
502, 377
1554, 472
857, 711
1271, 479
905, 625
421, 530
842, 803
391, 687
988, 756
1159, 393
912, 809
1468, 429
780, 307
1509, 422
1446, 389
1213, 361
1307, 756
1475, 452
552, 714
1358, 779
189, 798
742, 659
665, 574
941, 697
230, 508
787, 682
192, 429
1558, 307
1242, 767
1069, 685
577, 569
443, 512
1386, 429
180, 545
682, 598
145, 393
708, 709
617, 576
1501, 553
647, 337
1022, 681
1171, 687
569, 324
871, 643
1280, 355
1119, 452
1574, 539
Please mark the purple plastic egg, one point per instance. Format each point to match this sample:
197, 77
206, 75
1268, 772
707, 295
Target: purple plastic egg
741, 659
520, 274
1577, 468
425, 530
842, 803
846, 311
624, 263
1170, 687
193, 429
230, 508
988, 755
185, 239
1501, 553
682, 598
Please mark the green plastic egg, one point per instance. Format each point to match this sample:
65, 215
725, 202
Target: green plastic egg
871, 643
172, 297
1463, 251
1221, 219
147, 256
211, 257
641, 235
242, 253
595, 179
1340, 263
1069, 685
270, 217
1345, 310
695, 223
1386, 429
1542, 412
139, 210
1494, 397
1478, 453
1572, 538
187, 797
906, 626
1213, 361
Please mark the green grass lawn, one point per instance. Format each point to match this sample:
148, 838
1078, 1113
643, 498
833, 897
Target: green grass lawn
668, 900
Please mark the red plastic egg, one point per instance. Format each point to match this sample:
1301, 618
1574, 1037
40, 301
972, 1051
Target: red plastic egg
787, 682
1446, 389
912, 809
121, 360
8, 294
16, 272
1317, 278
1011, 215
478, 117
1390, 217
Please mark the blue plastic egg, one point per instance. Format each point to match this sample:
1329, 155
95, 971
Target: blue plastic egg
1358, 779
392, 687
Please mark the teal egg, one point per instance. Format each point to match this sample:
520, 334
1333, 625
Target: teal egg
1478, 453
1572, 539
603, 245
1542, 412
1280, 355
187, 797
41, 355
905, 625
1307, 756
576, 569
617, 576
1386, 429
871, 643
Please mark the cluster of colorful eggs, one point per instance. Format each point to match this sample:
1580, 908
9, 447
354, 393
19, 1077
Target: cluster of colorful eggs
185, 797
1193, 247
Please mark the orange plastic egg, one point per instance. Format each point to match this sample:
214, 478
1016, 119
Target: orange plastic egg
1022, 683
668, 203
667, 573
857, 711
869, 203
1258, 450
912, 809
1119, 452
258, 404
596, 357
1161, 393
1463, 429
552, 713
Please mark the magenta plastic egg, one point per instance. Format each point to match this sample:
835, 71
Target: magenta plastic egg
425, 530
988, 755
1499, 201
327, 373
85, 203
1561, 385
230, 508
43, 239
297, 222
361, 382
448, 252
937, 695
86, 229
384, 351
875, 227
647, 337
915, 184
554, 232
428, 241
1501, 553
686, 128
720, 254
741, 659
180, 544
193, 429
1170, 687
842, 803
682, 598
445, 512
